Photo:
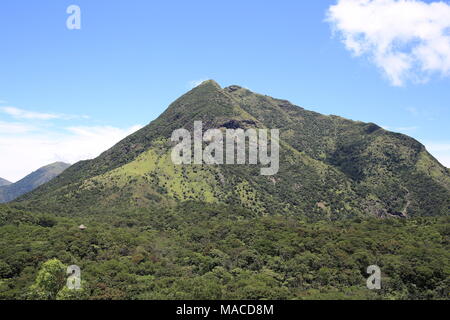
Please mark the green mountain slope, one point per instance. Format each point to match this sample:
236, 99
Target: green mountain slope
31, 181
330, 167
4, 182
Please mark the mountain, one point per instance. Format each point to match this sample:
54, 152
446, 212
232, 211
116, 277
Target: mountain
32, 181
4, 182
198, 232
330, 167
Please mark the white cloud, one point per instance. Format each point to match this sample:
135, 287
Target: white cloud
31, 115
14, 127
407, 39
23, 114
24, 153
441, 151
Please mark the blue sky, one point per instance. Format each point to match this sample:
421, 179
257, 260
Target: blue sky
69, 94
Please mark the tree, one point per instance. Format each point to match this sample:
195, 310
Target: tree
72, 294
49, 281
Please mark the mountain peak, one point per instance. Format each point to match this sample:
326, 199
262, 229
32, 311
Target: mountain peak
35, 179
4, 182
57, 164
209, 82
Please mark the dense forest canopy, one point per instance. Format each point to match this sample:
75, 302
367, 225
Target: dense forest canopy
200, 251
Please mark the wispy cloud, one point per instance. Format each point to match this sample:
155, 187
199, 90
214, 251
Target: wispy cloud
407, 39
14, 127
33, 140
32, 115
25, 152
23, 114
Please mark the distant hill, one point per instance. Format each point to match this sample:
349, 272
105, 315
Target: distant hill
330, 167
11, 191
4, 182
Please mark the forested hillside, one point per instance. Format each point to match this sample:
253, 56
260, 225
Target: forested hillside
216, 252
